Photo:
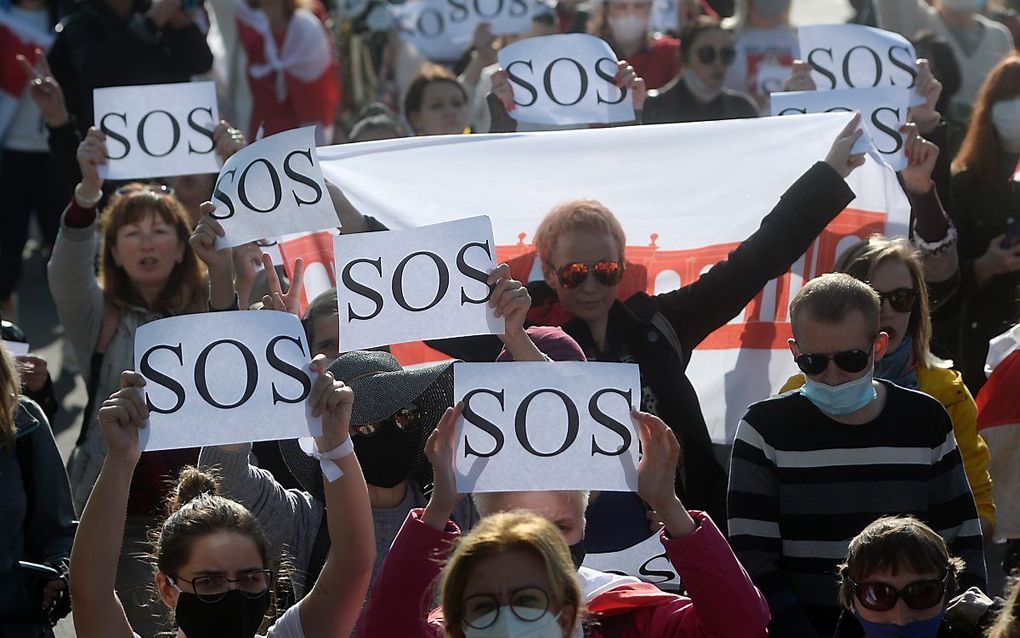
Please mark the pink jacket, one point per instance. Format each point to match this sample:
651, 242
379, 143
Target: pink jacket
723, 602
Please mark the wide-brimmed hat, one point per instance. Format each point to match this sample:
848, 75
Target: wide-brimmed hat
382, 387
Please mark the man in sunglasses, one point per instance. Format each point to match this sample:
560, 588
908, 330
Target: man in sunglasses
698, 94
813, 467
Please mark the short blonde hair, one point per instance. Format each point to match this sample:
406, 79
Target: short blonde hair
505, 532
488, 503
585, 215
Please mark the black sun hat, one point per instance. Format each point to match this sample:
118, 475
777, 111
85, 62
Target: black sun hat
382, 387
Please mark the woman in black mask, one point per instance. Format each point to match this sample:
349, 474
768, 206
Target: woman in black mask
214, 566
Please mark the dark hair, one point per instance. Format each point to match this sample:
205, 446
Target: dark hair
981, 150
376, 120
832, 297
892, 543
428, 74
324, 305
943, 63
693, 30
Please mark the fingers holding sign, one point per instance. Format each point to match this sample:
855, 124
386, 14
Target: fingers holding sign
277, 299
439, 449
203, 241
921, 158
228, 140
800, 79
927, 86
627, 78
502, 89
660, 456
121, 416
91, 155
840, 158
333, 400
510, 298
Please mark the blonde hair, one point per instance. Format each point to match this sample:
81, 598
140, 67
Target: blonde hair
488, 503
861, 261
10, 394
1008, 623
586, 215
506, 532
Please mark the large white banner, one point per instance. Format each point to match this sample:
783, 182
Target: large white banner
686, 194
225, 377
157, 130
442, 30
540, 426
565, 79
415, 284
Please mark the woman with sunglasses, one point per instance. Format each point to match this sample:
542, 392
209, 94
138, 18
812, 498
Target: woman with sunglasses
698, 94
899, 580
893, 268
213, 565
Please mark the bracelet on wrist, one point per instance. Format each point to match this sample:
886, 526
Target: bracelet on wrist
86, 202
327, 460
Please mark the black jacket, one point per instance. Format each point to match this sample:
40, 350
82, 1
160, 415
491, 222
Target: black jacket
661, 331
675, 103
97, 48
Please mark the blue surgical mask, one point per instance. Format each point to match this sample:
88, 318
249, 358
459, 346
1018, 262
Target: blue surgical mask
917, 629
842, 399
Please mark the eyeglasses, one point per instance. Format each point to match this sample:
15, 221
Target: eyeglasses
878, 596
607, 273
482, 610
213, 588
848, 361
708, 54
901, 299
155, 189
406, 419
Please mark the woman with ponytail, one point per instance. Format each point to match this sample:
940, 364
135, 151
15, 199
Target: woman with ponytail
211, 558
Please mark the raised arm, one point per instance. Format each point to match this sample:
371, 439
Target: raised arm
97, 610
331, 608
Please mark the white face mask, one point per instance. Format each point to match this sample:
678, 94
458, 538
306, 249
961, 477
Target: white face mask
508, 625
1006, 118
628, 29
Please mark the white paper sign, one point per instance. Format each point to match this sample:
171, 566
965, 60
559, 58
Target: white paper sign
16, 348
410, 285
647, 560
442, 30
534, 426
271, 188
565, 79
225, 377
853, 56
883, 112
157, 130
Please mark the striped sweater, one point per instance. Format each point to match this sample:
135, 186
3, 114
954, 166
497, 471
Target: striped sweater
803, 485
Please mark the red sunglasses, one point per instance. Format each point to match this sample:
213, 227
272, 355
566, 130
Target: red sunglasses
607, 273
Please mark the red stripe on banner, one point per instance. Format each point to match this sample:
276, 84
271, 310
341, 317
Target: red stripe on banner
12, 78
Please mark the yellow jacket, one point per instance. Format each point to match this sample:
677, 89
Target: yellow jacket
947, 387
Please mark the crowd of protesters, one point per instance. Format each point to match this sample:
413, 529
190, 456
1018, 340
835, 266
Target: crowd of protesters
859, 500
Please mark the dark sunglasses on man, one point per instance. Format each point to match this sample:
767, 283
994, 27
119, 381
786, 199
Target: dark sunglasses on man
879, 596
848, 360
901, 299
708, 54
607, 273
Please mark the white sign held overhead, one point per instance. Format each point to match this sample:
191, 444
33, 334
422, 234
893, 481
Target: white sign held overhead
225, 377
546, 426
883, 112
272, 187
410, 285
565, 79
853, 56
647, 560
442, 30
157, 130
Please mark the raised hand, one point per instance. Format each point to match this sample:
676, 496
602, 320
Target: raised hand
33, 372
839, 157
203, 242
121, 416
926, 116
439, 451
627, 78
227, 140
801, 79
276, 299
510, 298
333, 400
45, 90
91, 154
657, 474
921, 158
502, 89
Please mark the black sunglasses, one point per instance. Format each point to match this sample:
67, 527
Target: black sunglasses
901, 299
878, 596
607, 273
707, 54
406, 419
848, 361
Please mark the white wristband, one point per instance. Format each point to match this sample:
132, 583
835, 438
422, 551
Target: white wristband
327, 460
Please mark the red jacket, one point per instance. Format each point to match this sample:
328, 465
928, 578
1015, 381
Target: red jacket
723, 602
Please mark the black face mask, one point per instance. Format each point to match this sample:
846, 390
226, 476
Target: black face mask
387, 457
233, 616
577, 554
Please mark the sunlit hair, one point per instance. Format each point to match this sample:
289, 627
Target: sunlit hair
895, 543
861, 261
184, 290
488, 503
429, 73
830, 299
505, 532
981, 150
584, 215
10, 392
1008, 623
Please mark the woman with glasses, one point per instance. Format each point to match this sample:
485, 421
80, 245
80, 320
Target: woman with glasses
899, 580
147, 270
893, 268
698, 94
214, 567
